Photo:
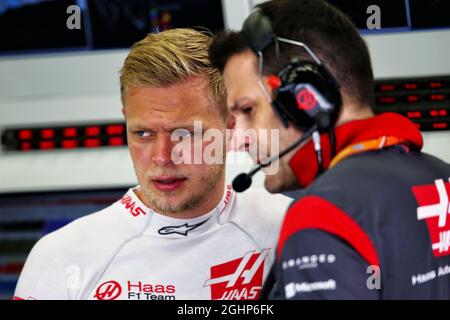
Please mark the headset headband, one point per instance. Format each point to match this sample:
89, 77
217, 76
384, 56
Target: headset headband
257, 31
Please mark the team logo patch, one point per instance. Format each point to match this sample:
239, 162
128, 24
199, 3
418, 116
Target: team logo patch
434, 208
306, 100
135, 290
109, 290
239, 279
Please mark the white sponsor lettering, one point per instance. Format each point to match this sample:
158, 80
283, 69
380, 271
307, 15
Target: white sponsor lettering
442, 271
307, 262
422, 278
292, 288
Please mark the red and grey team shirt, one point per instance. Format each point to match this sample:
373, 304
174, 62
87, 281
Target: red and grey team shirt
128, 251
374, 226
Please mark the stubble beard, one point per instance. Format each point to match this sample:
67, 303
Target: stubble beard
163, 203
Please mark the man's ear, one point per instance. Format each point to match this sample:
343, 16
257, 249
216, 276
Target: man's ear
124, 112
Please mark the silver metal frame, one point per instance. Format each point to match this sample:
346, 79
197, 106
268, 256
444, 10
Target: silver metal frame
261, 62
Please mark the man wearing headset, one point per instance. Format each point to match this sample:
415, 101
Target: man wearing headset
372, 221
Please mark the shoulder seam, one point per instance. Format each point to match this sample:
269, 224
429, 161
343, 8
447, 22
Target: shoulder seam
314, 212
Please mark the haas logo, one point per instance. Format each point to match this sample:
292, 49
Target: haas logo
434, 208
240, 279
129, 204
108, 291
306, 100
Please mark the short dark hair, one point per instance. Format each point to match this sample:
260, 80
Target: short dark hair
225, 45
325, 29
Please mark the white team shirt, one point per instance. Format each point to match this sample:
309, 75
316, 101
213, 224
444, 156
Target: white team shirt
128, 251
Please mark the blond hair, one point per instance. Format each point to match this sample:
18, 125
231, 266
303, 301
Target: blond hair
170, 57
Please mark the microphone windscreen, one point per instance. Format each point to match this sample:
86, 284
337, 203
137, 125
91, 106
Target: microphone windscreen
242, 182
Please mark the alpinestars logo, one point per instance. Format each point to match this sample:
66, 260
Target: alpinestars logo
434, 208
239, 279
182, 230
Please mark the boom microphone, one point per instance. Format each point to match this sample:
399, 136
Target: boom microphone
244, 180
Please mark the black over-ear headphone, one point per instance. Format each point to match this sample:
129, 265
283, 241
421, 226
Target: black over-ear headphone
305, 92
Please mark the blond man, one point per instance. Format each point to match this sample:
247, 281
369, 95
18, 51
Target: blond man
182, 233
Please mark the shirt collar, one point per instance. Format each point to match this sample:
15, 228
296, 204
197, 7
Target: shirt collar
159, 225
304, 162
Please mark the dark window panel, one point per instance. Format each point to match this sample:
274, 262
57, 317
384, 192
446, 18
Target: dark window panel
430, 13
393, 12
117, 23
38, 26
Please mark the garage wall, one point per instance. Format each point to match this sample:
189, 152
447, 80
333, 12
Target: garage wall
84, 87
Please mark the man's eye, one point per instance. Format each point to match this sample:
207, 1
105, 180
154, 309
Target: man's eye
247, 110
142, 133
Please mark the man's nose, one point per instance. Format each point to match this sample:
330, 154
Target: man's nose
162, 150
242, 136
